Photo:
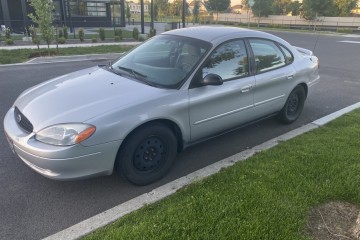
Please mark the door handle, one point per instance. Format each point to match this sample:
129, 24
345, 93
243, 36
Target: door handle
246, 88
290, 76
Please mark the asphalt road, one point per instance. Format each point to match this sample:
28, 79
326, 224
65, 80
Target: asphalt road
33, 207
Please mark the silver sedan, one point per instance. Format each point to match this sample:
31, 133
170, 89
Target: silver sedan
176, 89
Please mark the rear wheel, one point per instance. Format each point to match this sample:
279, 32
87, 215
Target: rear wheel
147, 154
293, 106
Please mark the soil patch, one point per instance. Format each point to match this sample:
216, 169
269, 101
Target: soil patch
334, 221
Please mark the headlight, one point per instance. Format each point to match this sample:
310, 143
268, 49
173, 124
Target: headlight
65, 134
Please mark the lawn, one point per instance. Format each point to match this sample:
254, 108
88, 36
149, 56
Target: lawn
268, 196
23, 55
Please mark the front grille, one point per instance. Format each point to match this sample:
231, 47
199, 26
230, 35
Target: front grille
23, 121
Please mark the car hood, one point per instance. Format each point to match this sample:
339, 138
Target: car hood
80, 96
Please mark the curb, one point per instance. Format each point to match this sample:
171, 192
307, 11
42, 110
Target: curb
102, 219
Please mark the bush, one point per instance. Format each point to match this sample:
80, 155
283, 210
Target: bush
61, 40
60, 33
118, 32
7, 33
9, 41
94, 40
141, 39
81, 34
102, 34
117, 39
152, 32
65, 31
344, 30
135, 33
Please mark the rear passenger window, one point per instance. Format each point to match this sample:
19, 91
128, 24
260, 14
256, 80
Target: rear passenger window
267, 55
289, 57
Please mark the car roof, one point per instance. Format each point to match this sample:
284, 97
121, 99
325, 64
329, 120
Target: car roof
215, 33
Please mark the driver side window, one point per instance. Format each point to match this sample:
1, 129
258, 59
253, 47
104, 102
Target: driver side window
229, 61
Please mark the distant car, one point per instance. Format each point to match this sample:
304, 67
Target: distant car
177, 88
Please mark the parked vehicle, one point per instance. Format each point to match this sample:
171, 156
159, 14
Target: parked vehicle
177, 88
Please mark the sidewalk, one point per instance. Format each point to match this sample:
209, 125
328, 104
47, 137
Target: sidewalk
132, 43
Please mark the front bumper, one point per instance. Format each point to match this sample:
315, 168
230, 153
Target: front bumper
60, 162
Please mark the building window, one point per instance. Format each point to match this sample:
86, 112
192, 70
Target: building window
85, 8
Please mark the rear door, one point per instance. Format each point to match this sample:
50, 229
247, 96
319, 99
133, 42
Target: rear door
274, 75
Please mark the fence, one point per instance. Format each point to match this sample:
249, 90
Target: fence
329, 23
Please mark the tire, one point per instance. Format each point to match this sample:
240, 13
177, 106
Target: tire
293, 106
147, 154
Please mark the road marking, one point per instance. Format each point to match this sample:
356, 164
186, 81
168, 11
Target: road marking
102, 219
345, 41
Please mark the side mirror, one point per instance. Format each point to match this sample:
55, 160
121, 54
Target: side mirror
212, 80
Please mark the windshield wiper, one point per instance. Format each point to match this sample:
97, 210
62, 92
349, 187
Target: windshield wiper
138, 76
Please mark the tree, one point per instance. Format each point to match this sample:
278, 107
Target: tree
217, 6
44, 19
128, 13
314, 8
196, 11
262, 8
344, 7
281, 7
295, 8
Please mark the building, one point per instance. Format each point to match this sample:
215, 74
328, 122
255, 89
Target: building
72, 13
135, 8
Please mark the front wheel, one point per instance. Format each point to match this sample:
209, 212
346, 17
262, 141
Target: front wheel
293, 106
147, 154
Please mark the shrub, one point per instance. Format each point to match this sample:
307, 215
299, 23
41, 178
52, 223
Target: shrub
81, 34
34, 36
117, 39
65, 31
7, 33
61, 40
152, 32
344, 30
94, 40
60, 33
135, 33
9, 41
102, 34
141, 39
118, 32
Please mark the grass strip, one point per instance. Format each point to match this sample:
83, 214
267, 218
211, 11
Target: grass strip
23, 55
266, 197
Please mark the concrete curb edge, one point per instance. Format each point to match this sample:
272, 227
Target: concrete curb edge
102, 219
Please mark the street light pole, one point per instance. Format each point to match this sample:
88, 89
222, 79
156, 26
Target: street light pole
183, 13
142, 17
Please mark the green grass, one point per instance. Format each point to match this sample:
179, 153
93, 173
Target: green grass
23, 55
265, 197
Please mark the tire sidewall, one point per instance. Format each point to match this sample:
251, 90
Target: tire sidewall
284, 114
125, 164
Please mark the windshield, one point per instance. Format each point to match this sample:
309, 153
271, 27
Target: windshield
163, 61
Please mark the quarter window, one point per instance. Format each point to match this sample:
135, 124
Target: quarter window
228, 61
289, 57
267, 55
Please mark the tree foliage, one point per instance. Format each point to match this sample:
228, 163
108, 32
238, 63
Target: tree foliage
281, 7
344, 7
295, 8
262, 8
43, 18
314, 8
217, 5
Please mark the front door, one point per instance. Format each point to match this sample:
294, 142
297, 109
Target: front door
213, 109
